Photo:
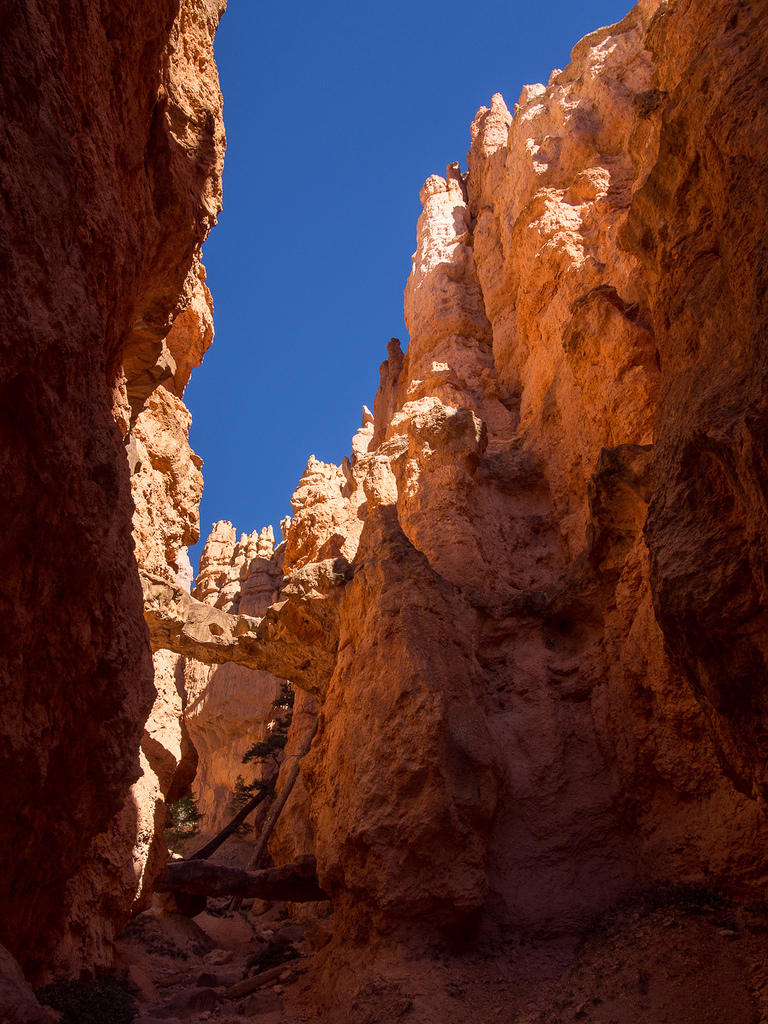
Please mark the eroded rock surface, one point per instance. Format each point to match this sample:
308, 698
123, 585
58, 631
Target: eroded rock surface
111, 179
295, 639
526, 719
697, 224
230, 704
528, 611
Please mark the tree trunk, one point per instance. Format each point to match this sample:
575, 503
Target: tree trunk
210, 848
296, 882
274, 814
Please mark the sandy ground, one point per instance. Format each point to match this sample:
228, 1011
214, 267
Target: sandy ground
677, 957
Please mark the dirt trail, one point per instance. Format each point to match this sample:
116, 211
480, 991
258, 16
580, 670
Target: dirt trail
682, 957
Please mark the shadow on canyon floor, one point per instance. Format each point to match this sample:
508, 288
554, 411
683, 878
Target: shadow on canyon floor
681, 955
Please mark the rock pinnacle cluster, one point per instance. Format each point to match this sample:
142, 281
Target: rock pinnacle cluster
524, 620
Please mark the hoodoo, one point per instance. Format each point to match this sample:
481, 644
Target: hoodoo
495, 702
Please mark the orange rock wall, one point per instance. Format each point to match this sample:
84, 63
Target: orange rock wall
113, 144
546, 550
547, 693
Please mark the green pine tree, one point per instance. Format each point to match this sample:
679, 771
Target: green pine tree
182, 822
265, 754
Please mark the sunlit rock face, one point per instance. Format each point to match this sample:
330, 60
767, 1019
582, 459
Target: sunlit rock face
111, 181
547, 696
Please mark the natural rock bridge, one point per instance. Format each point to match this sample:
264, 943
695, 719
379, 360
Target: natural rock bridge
296, 639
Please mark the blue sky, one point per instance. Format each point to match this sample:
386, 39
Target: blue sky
336, 113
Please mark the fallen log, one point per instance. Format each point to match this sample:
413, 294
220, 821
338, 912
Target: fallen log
244, 988
296, 882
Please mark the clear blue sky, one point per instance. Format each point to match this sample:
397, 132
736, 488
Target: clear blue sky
336, 113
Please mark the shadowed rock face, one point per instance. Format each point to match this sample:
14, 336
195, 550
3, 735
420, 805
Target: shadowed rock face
112, 154
698, 225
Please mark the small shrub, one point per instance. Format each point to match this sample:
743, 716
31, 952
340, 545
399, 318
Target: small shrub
104, 1001
182, 822
269, 747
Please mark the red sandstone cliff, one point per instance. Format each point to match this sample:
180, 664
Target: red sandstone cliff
112, 151
547, 689
530, 604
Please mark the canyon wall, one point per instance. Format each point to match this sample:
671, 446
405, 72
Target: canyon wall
528, 610
111, 179
116, 876
542, 562
547, 692
698, 226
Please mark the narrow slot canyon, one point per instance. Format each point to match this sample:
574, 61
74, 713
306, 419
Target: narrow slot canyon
477, 735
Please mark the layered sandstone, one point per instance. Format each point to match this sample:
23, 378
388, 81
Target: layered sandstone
111, 179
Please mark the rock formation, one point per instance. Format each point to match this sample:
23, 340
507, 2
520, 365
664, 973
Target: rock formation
546, 694
17, 1000
230, 705
296, 638
527, 613
697, 225
111, 179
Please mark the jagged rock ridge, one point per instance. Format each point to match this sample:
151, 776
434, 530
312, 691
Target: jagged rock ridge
525, 721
